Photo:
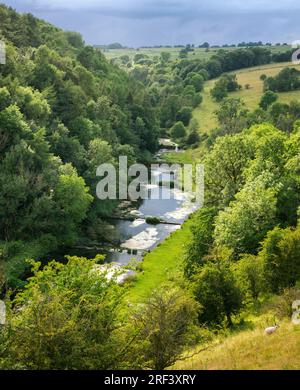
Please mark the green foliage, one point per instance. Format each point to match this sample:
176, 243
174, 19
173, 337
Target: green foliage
184, 115
196, 80
286, 80
66, 318
250, 273
63, 111
232, 116
178, 130
244, 224
165, 56
217, 291
166, 323
280, 254
152, 220
5, 98
224, 166
267, 99
226, 83
201, 242
73, 200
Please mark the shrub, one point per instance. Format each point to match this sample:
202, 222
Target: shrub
153, 220
280, 254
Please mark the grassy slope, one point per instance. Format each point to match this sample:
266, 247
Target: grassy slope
205, 112
163, 264
251, 350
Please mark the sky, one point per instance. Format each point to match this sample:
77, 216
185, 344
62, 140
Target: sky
136, 23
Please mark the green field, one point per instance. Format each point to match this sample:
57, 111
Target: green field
198, 53
205, 112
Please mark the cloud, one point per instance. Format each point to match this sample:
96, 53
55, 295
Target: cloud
154, 22
163, 6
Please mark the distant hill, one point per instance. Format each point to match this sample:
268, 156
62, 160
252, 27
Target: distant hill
110, 46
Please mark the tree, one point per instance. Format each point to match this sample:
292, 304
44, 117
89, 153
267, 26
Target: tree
184, 115
288, 79
201, 242
249, 271
165, 324
224, 167
75, 39
66, 318
226, 83
196, 80
217, 291
245, 223
5, 98
204, 45
178, 130
165, 56
280, 254
193, 138
219, 92
267, 99
72, 200
232, 116
32, 104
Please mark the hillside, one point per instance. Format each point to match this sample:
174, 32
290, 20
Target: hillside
64, 110
250, 350
251, 97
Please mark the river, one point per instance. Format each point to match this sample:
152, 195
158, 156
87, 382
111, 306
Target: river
134, 235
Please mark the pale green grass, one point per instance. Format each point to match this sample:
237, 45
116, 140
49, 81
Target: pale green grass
250, 350
189, 156
155, 52
161, 265
252, 96
205, 113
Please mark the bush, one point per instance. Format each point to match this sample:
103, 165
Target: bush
249, 271
218, 293
153, 220
267, 99
280, 254
184, 115
163, 328
178, 130
66, 318
288, 79
226, 83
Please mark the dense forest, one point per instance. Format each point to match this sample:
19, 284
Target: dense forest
64, 110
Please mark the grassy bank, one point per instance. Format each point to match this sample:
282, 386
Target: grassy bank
251, 350
161, 265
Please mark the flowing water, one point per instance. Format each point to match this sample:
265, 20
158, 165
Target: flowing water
137, 237
170, 205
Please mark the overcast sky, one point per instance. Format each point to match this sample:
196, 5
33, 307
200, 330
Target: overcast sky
159, 22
